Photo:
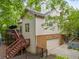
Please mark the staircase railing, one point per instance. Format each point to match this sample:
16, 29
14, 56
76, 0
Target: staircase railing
16, 46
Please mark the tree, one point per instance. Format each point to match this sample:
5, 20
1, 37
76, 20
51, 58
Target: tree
68, 21
10, 12
71, 25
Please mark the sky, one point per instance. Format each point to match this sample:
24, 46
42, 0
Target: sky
74, 3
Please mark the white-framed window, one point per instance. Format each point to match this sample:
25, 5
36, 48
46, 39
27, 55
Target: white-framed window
27, 27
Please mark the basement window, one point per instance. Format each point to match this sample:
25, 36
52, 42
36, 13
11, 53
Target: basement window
27, 27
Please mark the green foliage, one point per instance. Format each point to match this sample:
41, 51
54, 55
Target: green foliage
34, 4
29, 16
71, 24
10, 12
63, 7
62, 57
68, 20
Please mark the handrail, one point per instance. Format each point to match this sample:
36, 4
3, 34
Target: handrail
8, 50
17, 34
21, 47
15, 41
18, 42
11, 44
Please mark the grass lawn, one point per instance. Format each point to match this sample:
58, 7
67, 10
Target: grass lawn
62, 57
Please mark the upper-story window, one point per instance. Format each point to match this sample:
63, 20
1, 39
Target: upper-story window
27, 27
20, 29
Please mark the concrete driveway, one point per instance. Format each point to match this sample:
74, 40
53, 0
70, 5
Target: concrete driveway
64, 51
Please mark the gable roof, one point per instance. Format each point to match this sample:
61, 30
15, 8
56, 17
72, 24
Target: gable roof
38, 14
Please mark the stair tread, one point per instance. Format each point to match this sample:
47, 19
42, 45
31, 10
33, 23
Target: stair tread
17, 46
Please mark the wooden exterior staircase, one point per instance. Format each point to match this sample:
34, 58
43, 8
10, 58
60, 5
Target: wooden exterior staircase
17, 45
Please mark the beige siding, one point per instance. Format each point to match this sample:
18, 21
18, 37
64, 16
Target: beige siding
30, 34
41, 31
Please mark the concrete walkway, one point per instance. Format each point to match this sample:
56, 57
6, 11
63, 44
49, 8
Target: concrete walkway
33, 56
2, 51
23, 56
64, 51
60, 51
